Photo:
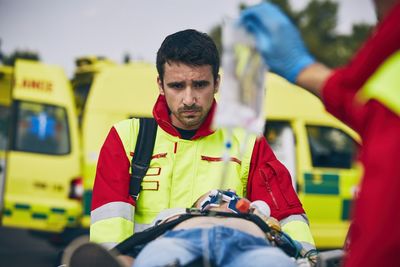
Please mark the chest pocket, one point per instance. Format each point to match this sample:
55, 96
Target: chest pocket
151, 181
277, 181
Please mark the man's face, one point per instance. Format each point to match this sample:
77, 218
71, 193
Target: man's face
189, 91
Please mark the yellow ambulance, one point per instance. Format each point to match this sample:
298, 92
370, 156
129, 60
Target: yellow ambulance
49, 162
319, 151
5, 107
108, 93
40, 171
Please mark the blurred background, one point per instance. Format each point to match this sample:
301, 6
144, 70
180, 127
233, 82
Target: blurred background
86, 63
59, 31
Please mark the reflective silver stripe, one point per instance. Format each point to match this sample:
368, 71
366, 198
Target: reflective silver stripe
307, 246
112, 210
299, 218
139, 227
163, 215
167, 214
109, 245
296, 217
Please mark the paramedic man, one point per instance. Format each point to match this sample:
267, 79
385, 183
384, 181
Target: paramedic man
186, 158
365, 94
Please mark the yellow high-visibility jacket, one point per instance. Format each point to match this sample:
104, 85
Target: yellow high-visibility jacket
180, 172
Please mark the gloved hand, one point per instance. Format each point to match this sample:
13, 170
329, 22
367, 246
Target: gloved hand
277, 39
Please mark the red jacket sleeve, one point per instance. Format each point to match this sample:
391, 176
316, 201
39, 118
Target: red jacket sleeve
112, 174
339, 92
339, 97
270, 181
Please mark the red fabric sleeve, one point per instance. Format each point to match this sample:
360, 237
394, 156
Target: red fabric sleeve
270, 181
340, 89
112, 175
339, 98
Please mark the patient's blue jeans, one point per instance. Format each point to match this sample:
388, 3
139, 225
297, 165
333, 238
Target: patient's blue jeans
220, 246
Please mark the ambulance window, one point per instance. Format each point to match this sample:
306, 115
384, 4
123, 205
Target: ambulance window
4, 124
81, 84
81, 94
331, 147
41, 129
6, 84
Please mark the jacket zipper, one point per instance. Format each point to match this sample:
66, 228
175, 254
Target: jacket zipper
269, 189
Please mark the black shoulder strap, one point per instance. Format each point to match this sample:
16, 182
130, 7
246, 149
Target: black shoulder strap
142, 155
144, 237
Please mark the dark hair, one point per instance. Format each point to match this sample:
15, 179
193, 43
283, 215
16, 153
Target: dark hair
190, 47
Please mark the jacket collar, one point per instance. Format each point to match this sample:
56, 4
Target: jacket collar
161, 114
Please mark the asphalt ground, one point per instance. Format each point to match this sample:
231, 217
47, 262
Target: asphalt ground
21, 248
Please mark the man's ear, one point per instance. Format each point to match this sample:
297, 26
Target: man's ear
160, 85
217, 83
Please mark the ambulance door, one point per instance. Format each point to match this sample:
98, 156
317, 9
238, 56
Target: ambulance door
329, 182
117, 93
42, 182
5, 111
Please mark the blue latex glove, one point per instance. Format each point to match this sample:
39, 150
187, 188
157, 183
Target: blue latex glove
277, 39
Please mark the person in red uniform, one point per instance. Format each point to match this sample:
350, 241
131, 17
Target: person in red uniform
365, 94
